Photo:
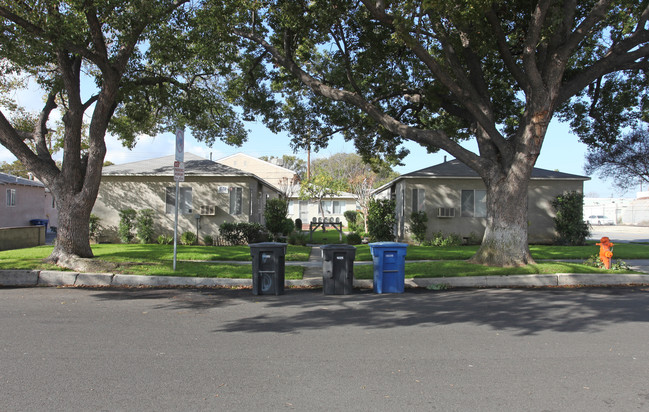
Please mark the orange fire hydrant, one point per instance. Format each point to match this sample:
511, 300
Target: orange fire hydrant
605, 251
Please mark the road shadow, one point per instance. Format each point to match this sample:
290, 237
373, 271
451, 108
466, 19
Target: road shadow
521, 311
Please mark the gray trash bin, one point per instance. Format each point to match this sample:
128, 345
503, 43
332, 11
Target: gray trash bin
338, 269
268, 268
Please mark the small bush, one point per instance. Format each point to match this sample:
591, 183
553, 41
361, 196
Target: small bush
126, 223
298, 224
275, 216
94, 226
418, 226
208, 240
354, 239
252, 232
439, 239
381, 220
289, 226
596, 262
188, 238
165, 239
352, 220
297, 238
243, 233
144, 224
569, 220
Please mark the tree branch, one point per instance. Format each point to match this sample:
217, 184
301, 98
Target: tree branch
505, 53
435, 138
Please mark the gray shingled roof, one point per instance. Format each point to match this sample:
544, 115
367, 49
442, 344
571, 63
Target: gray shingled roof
457, 169
11, 179
164, 166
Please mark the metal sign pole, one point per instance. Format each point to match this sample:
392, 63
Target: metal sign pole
176, 224
179, 176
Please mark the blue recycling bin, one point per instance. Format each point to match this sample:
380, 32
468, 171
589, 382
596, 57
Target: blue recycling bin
39, 222
389, 260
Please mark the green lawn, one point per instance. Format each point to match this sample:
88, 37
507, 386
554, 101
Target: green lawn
459, 268
541, 252
328, 237
202, 261
156, 259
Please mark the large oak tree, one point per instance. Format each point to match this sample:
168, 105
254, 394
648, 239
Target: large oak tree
439, 72
126, 67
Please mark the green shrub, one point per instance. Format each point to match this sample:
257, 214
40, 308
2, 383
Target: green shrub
381, 220
275, 216
144, 225
418, 226
208, 240
242, 233
289, 226
596, 261
354, 239
569, 219
126, 223
439, 239
188, 238
165, 239
352, 220
298, 224
252, 232
94, 227
297, 238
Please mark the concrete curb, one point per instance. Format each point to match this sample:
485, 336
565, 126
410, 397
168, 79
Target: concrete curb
27, 278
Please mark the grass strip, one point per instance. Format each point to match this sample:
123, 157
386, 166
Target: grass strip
157, 260
620, 251
456, 268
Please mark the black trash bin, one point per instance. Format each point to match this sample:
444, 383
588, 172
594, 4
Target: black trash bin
268, 268
338, 269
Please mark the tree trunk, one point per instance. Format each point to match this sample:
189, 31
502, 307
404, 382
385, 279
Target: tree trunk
505, 238
73, 235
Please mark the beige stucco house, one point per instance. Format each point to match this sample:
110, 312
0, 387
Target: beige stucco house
332, 208
454, 199
282, 178
212, 193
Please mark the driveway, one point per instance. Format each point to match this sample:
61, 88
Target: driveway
621, 233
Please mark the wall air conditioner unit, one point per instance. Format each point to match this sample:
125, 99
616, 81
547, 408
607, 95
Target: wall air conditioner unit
445, 212
208, 210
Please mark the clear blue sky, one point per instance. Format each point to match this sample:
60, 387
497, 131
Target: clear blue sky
561, 150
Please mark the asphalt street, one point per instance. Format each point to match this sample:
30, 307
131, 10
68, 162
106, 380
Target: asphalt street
563, 349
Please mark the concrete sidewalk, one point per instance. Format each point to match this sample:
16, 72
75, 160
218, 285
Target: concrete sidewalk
313, 277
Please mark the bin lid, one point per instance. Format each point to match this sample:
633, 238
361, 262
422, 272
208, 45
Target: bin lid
388, 245
337, 247
268, 245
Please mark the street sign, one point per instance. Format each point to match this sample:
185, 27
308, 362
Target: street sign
180, 145
179, 171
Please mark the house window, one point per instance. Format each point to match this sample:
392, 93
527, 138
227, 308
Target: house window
236, 197
331, 207
184, 200
11, 197
474, 203
417, 200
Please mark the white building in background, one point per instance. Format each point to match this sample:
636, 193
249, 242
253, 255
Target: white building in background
624, 211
